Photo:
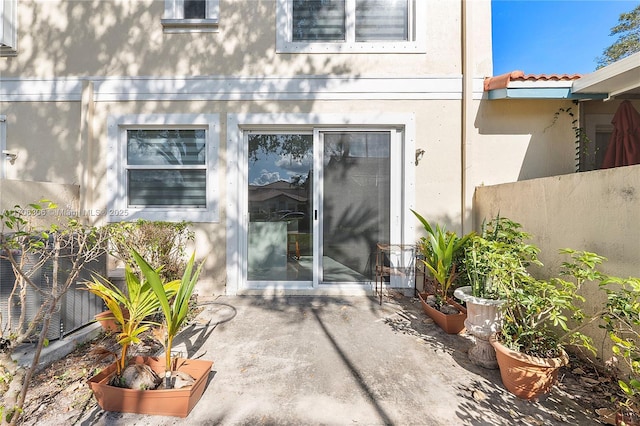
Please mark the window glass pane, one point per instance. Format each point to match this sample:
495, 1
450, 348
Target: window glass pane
318, 20
280, 235
357, 145
356, 203
166, 147
194, 9
382, 20
167, 188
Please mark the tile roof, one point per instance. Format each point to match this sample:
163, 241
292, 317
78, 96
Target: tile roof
502, 81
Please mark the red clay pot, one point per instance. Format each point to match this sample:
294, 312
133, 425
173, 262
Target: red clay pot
527, 377
627, 418
451, 324
163, 402
108, 322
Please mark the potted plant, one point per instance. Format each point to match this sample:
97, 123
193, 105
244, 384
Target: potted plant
174, 312
141, 300
501, 247
438, 250
529, 348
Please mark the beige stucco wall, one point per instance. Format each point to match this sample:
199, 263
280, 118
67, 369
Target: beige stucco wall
98, 37
23, 193
596, 211
65, 141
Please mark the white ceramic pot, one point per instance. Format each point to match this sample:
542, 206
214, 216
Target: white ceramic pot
483, 320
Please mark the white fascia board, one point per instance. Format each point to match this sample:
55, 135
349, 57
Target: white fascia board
224, 88
45, 90
620, 74
541, 84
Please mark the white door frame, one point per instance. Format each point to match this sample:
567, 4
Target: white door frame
236, 211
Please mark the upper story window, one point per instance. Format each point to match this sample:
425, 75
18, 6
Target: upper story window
330, 26
163, 167
8, 27
191, 16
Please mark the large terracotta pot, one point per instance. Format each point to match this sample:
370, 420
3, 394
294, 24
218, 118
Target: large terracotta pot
527, 377
452, 324
164, 402
484, 319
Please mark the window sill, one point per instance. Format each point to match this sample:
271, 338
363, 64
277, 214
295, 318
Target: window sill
345, 47
176, 214
7, 51
190, 25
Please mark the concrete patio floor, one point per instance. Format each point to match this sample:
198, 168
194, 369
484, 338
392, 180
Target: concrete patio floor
342, 361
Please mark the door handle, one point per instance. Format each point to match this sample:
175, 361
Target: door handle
315, 214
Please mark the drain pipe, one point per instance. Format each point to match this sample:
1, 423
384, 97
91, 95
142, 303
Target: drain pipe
467, 106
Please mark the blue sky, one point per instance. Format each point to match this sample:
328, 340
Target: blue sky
553, 37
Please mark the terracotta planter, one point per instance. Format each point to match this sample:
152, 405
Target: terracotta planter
483, 320
627, 418
525, 376
164, 402
452, 324
107, 321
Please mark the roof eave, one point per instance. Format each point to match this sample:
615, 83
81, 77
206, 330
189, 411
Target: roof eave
616, 79
541, 93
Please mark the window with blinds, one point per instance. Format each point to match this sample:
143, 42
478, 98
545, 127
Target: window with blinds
166, 168
327, 20
382, 20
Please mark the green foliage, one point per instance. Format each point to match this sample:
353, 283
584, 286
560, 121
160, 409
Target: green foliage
176, 311
622, 322
498, 258
536, 314
131, 308
438, 250
628, 42
162, 244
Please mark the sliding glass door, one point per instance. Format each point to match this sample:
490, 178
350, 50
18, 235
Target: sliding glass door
355, 203
318, 202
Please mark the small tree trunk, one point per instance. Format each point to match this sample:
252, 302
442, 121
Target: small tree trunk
10, 398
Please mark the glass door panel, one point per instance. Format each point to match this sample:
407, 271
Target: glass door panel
355, 203
280, 203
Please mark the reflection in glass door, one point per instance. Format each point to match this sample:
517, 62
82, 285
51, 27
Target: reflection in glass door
280, 203
355, 203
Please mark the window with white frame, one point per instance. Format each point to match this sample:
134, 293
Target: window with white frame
333, 26
191, 16
163, 167
8, 27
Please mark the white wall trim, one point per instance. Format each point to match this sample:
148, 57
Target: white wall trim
4, 158
226, 88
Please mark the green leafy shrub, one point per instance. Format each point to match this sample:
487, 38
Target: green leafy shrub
159, 243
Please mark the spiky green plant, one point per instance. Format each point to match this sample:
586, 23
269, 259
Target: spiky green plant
176, 311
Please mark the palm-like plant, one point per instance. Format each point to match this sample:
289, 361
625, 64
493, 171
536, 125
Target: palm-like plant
130, 309
438, 250
175, 312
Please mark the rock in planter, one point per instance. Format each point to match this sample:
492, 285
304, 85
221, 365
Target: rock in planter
163, 402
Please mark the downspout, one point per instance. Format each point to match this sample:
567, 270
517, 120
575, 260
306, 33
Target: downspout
467, 105
87, 181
